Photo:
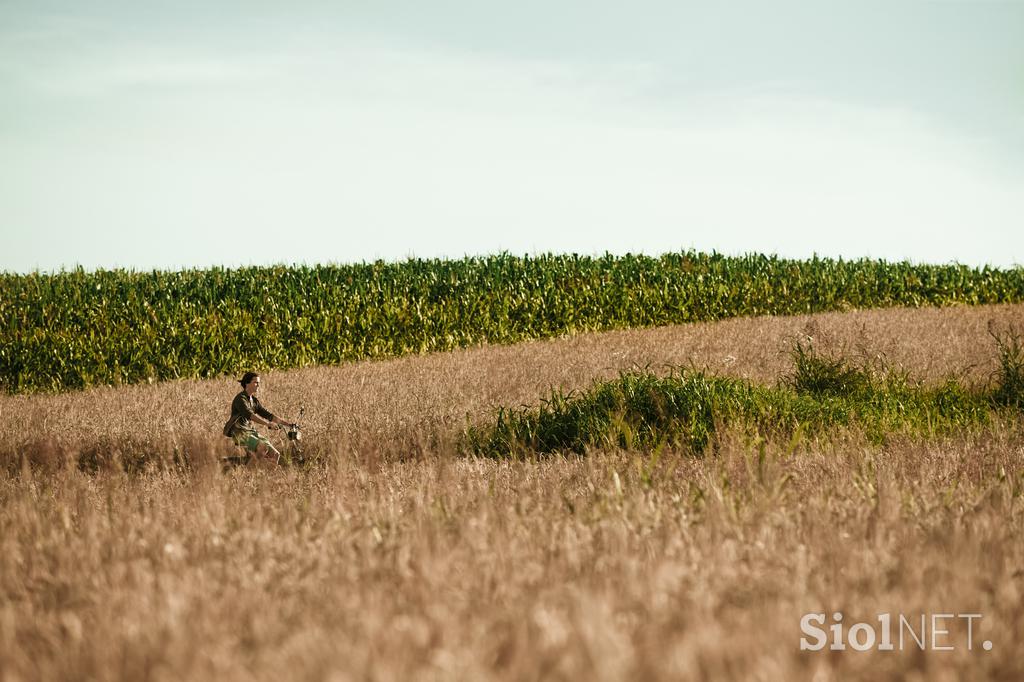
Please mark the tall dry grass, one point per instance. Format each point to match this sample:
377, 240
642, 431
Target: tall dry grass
374, 402
395, 560
606, 568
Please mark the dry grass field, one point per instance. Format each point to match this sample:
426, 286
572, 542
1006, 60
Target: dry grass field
371, 402
395, 559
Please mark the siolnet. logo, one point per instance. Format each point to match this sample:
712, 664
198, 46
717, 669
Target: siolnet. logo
934, 632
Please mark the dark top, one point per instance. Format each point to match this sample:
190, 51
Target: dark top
242, 409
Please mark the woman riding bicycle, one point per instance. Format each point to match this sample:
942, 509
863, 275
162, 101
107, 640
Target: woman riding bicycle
246, 411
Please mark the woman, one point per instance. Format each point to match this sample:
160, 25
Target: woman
246, 411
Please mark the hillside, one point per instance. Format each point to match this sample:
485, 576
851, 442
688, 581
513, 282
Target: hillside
391, 559
382, 404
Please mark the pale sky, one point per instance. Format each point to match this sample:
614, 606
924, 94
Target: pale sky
189, 134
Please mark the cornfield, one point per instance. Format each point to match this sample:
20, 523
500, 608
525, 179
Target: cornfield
76, 329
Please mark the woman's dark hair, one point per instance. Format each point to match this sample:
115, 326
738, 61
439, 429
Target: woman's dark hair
247, 377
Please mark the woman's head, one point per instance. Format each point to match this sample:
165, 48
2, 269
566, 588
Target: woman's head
250, 382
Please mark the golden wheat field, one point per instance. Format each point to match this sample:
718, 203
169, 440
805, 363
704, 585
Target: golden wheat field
397, 559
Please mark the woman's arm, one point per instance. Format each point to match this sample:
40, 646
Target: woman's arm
277, 420
263, 416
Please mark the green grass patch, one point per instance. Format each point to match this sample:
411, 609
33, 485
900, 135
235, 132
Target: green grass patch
819, 374
640, 410
1010, 375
